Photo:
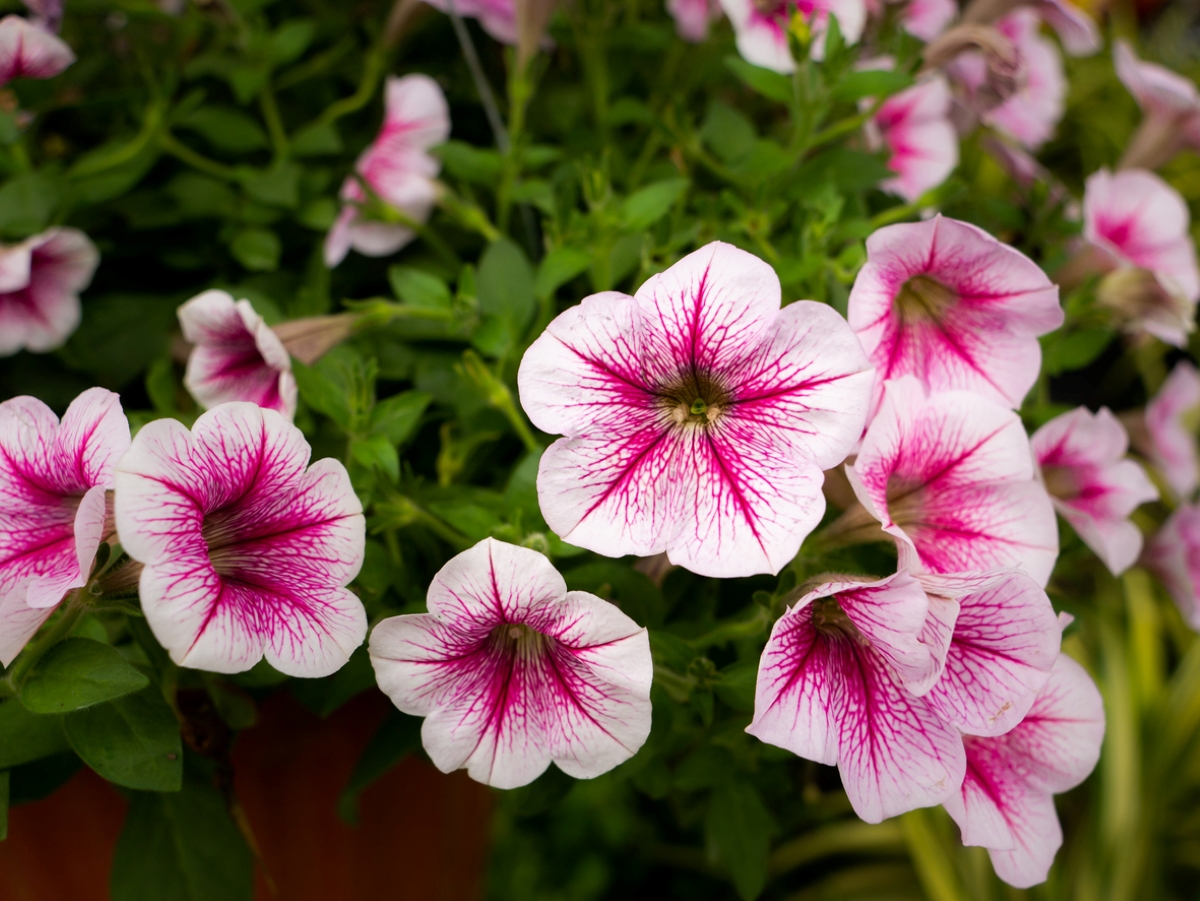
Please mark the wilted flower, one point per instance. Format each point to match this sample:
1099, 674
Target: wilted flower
236, 356
915, 126
1006, 803
40, 281
247, 553
27, 51
1170, 110
946, 302
396, 168
53, 478
1172, 420
498, 17
761, 27
1173, 554
692, 17
698, 415
1076, 29
513, 672
951, 478
1083, 465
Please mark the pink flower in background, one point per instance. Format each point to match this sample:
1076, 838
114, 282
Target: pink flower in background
498, 17
1172, 419
53, 478
27, 51
513, 672
1135, 219
698, 415
1173, 554
692, 17
47, 14
926, 19
1006, 803
247, 553
946, 302
761, 27
915, 126
40, 281
836, 685
236, 355
1170, 109
951, 477
1092, 484
398, 169
1075, 28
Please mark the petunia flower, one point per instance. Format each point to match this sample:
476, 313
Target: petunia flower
27, 51
398, 170
53, 479
915, 126
1082, 460
951, 478
512, 672
1135, 220
926, 19
1170, 110
498, 17
761, 27
247, 552
47, 14
1173, 554
946, 302
692, 17
698, 415
1076, 29
40, 281
1172, 418
236, 356
1006, 803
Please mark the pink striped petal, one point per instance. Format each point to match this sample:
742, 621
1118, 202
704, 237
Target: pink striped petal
915, 125
1170, 423
926, 19
40, 281
27, 51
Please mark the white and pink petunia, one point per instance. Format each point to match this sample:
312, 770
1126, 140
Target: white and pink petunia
1006, 803
247, 549
1075, 28
53, 479
40, 281
761, 27
1170, 109
235, 355
397, 168
915, 126
1173, 554
951, 477
946, 302
498, 17
1172, 420
698, 415
1136, 220
27, 51
1082, 460
926, 19
513, 672
692, 17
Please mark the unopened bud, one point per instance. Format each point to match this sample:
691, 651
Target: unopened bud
310, 339
1004, 67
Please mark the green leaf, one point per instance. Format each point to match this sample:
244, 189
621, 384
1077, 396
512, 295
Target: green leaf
290, 40
397, 417
132, 741
78, 673
27, 201
317, 140
278, 186
397, 736
646, 206
558, 267
321, 393
875, 83
181, 847
727, 132
257, 249
376, 452
42, 778
474, 521
418, 288
27, 736
120, 335
764, 81
470, 163
226, 128
506, 284
738, 828
636, 595
1064, 352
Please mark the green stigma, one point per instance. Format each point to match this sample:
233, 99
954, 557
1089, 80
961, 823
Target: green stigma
699, 407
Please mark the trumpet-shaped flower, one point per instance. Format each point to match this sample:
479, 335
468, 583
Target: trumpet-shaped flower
247, 552
236, 356
40, 281
1173, 554
761, 27
396, 168
1172, 418
27, 51
946, 302
698, 415
951, 478
1082, 460
53, 478
1006, 803
915, 125
1170, 109
512, 672
692, 17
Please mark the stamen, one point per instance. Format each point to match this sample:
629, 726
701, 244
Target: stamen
922, 298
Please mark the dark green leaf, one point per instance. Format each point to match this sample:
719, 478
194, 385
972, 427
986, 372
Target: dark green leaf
472, 520
764, 81
321, 393
558, 267
738, 827
319, 140
727, 132
26, 736
120, 335
470, 163
226, 128
278, 186
646, 206
79, 673
397, 736
27, 201
418, 288
291, 39
42, 778
876, 83
1074, 350
506, 284
132, 741
736, 685
635, 594
377, 452
397, 417
257, 249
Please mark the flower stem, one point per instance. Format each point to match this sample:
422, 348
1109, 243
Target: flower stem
482, 86
270, 111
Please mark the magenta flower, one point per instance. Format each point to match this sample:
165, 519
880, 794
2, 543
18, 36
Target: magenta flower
40, 281
1135, 219
397, 168
498, 17
915, 125
27, 51
1006, 803
761, 27
946, 302
951, 478
53, 478
1170, 109
698, 416
926, 19
1173, 554
513, 672
1172, 417
236, 355
1092, 484
692, 17
247, 553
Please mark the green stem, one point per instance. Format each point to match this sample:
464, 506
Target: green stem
50, 636
373, 70
314, 66
482, 86
270, 111
151, 125
185, 154
758, 623
845, 126
519, 92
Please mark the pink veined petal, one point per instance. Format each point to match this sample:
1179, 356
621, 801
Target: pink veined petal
761, 38
339, 239
916, 127
496, 582
1075, 28
416, 112
27, 51
40, 314
1172, 441
18, 623
926, 19
1031, 114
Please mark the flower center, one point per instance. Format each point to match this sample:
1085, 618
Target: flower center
1060, 482
697, 400
923, 299
905, 500
829, 619
519, 640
